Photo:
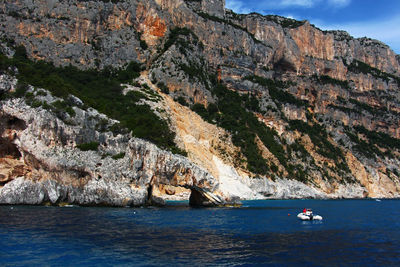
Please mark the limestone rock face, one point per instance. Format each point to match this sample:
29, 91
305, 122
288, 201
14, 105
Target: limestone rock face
77, 32
324, 93
52, 169
211, 7
73, 32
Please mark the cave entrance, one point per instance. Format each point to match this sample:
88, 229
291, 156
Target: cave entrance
194, 196
8, 126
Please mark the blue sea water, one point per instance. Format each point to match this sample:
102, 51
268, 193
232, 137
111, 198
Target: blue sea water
260, 233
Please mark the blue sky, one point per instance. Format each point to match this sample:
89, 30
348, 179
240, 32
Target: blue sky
377, 19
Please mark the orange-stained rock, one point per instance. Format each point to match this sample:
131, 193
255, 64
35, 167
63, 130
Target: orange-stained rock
150, 24
11, 168
157, 27
312, 42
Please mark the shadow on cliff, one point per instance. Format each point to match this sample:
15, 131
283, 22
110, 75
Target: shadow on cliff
8, 127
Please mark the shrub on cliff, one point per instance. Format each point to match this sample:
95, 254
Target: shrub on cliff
325, 79
98, 89
118, 156
234, 112
275, 90
88, 146
21, 89
360, 67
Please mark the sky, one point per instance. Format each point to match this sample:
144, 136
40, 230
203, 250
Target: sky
376, 19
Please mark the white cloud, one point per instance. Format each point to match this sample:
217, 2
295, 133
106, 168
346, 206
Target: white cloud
275, 4
339, 3
242, 6
238, 6
290, 16
386, 31
302, 3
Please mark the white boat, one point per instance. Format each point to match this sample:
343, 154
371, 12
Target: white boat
307, 215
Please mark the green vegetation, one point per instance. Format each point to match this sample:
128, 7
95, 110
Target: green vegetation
234, 113
203, 112
361, 146
275, 92
175, 37
285, 22
150, 93
118, 156
193, 70
186, 40
21, 89
181, 100
298, 147
163, 87
297, 172
358, 107
374, 140
113, 1
363, 106
341, 100
378, 138
125, 75
319, 137
324, 147
325, 79
88, 146
60, 107
143, 45
344, 109
361, 67
98, 89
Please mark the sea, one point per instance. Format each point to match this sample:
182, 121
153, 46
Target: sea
259, 233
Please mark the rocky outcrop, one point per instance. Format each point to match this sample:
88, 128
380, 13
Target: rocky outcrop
48, 166
212, 7
77, 32
330, 100
73, 32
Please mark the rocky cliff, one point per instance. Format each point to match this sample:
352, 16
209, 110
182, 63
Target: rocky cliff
284, 109
43, 163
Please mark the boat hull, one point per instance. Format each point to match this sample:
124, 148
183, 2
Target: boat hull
304, 217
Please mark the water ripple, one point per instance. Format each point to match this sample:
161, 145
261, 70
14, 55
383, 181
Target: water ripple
263, 234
